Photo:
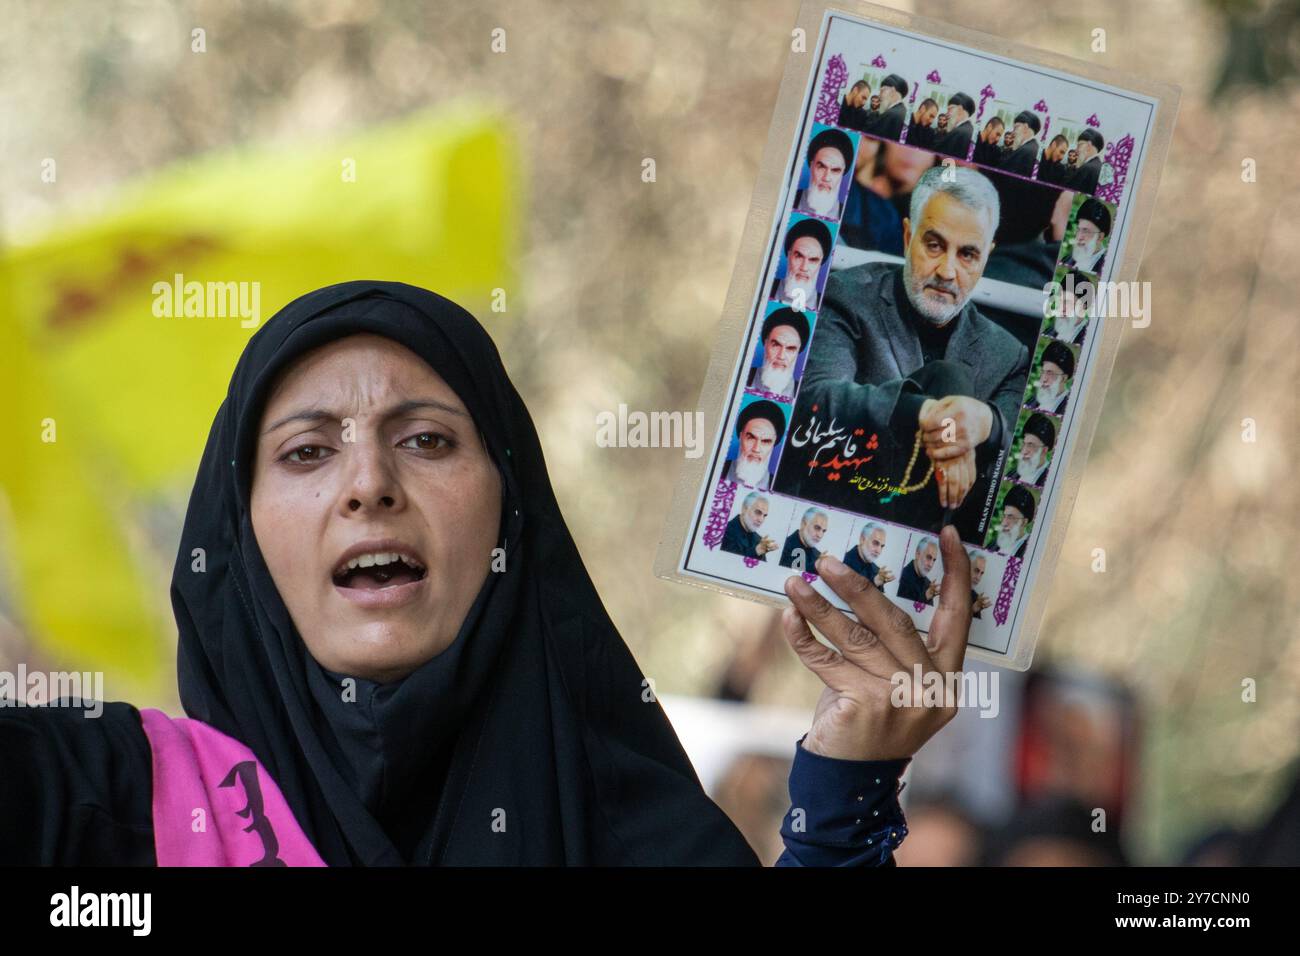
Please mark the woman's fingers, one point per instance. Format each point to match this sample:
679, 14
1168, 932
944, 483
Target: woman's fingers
950, 629
878, 615
860, 646
829, 665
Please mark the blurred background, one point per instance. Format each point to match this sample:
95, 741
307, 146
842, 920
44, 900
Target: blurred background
494, 152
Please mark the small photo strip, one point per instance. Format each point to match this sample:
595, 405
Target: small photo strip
1032, 448
1072, 157
1019, 153
920, 581
750, 533
875, 104
756, 442
779, 352
876, 551
1071, 306
1013, 519
919, 578
812, 530
942, 122
826, 173
1051, 375
804, 263
1087, 236
985, 576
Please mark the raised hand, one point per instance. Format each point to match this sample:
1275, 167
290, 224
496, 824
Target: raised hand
856, 718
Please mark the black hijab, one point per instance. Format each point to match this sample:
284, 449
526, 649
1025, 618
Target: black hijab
531, 740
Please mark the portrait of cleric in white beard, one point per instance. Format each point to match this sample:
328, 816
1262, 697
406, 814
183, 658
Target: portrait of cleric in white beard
1009, 533
911, 391
780, 350
806, 253
1087, 248
1050, 387
760, 429
829, 157
1070, 311
1033, 453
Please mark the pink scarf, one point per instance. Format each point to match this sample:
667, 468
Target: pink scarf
214, 804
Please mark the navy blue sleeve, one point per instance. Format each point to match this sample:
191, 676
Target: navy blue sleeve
842, 812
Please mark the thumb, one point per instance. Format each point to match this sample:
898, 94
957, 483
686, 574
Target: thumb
950, 628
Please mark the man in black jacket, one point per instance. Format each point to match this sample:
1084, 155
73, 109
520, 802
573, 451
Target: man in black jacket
893, 113
1053, 169
898, 350
1024, 144
914, 583
801, 547
988, 148
1086, 176
853, 114
742, 536
956, 141
864, 555
921, 132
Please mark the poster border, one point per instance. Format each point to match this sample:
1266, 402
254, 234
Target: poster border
768, 204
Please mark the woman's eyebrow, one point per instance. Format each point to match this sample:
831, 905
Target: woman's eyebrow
401, 408
305, 415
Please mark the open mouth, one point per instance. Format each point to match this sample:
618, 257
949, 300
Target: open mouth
378, 570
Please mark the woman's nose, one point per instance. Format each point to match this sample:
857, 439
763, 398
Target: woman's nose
372, 483
385, 501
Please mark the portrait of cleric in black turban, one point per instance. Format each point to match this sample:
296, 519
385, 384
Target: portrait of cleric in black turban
1023, 153
760, 429
1088, 237
805, 262
888, 113
1069, 311
780, 351
823, 184
1031, 452
949, 132
1053, 375
1087, 171
911, 393
1013, 521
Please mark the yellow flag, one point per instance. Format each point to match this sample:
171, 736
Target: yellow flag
118, 337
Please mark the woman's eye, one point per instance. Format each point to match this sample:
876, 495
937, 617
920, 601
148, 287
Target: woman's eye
426, 441
306, 454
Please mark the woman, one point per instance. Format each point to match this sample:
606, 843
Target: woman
390, 651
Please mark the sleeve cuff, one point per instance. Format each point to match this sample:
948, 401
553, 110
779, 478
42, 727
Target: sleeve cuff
843, 812
995, 433
907, 412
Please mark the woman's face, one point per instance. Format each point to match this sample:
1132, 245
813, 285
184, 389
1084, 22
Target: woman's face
375, 505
